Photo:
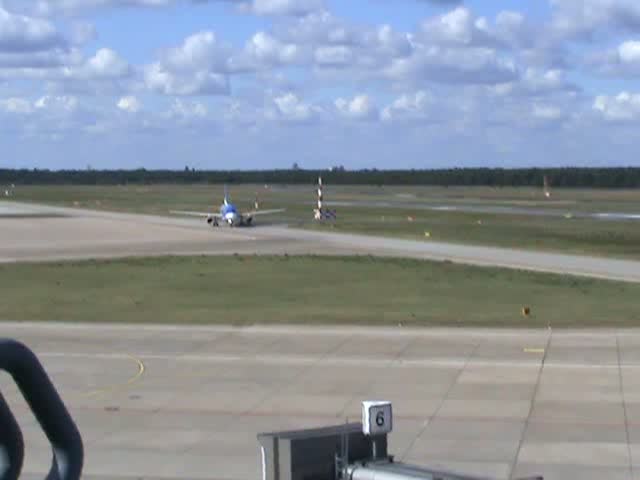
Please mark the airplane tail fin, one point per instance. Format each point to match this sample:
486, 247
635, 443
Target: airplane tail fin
226, 195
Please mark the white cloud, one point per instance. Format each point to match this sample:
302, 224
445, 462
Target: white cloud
286, 7
538, 80
455, 27
264, 50
629, 52
328, 42
105, 64
57, 103
621, 61
623, 107
259, 7
408, 106
16, 105
535, 82
129, 104
453, 65
290, 107
20, 33
187, 110
200, 51
43, 60
196, 67
361, 107
334, 55
547, 112
319, 28
160, 80
583, 18
390, 42
30, 43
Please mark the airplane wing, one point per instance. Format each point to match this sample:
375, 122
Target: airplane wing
263, 212
192, 214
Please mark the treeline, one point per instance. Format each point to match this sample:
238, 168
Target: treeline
497, 177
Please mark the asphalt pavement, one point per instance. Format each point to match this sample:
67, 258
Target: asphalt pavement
72, 233
178, 402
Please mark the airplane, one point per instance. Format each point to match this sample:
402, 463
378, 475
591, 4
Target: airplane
229, 214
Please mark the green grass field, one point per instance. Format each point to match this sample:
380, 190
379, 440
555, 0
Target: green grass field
308, 290
572, 235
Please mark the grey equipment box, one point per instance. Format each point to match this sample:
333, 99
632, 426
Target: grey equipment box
311, 454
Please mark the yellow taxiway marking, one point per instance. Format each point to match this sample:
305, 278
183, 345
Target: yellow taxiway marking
534, 350
119, 386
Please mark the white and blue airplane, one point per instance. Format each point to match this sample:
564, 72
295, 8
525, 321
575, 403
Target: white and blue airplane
229, 214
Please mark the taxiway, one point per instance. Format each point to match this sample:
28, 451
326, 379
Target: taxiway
69, 233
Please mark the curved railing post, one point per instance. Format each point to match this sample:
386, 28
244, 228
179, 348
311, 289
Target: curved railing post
11, 444
48, 408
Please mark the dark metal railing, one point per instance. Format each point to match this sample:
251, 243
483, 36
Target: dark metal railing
47, 406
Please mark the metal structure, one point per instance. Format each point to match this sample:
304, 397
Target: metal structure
352, 451
47, 406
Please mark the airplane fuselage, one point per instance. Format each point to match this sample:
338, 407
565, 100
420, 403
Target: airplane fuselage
229, 213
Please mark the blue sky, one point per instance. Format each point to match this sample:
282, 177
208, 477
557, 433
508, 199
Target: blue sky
362, 83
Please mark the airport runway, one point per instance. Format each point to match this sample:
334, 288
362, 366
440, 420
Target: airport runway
66, 233
187, 402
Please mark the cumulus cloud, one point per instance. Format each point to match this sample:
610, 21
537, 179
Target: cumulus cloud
49, 102
620, 108
319, 28
328, 42
629, 52
286, 7
187, 110
583, 18
263, 50
129, 104
360, 107
161, 80
621, 61
408, 107
259, 7
196, 67
333, 55
30, 43
547, 112
106, 63
461, 27
20, 33
200, 51
16, 105
458, 27
536, 82
37, 60
291, 108
446, 65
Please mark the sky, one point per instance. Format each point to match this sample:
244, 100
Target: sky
262, 84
